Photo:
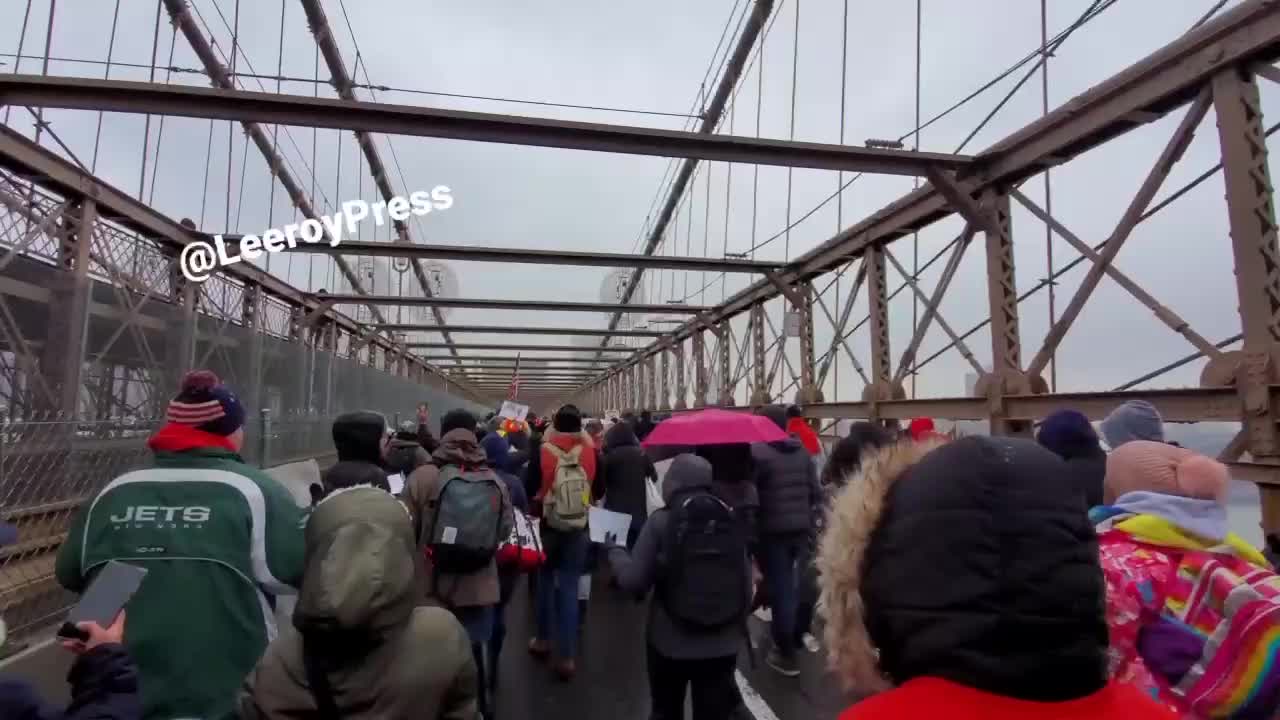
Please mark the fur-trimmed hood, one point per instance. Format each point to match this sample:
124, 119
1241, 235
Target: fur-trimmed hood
971, 561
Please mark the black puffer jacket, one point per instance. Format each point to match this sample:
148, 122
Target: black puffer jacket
787, 480
104, 686
970, 562
626, 468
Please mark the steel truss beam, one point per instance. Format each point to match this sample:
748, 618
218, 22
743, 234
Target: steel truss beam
1159, 83
505, 346
509, 368
1175, 405
302, 111
492, 304
472, 253
515, 330
511, 359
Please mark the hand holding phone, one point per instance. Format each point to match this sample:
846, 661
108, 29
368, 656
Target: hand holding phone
102, 605
95, 635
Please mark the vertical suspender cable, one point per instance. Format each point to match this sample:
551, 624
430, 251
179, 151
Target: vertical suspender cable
795, 64
208, 160
915, 183
315, 90
155, 166
17, 60
275, 138
146, 127
235, 46
706, 230
337, 190
1048, 192
728, 192
44, 68
111, 48
844, 76
755, 173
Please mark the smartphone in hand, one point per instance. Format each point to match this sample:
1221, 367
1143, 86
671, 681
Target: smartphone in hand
105, 598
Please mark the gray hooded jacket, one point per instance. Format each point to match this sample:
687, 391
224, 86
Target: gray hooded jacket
638, 572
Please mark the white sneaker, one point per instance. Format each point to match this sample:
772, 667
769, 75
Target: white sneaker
811, 643
764, 614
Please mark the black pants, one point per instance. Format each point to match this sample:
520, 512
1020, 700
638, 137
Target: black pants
807, 598
715, 692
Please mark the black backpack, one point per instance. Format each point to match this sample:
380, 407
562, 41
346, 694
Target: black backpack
704, 581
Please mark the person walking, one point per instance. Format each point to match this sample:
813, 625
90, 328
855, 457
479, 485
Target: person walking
360, 648
1015, 629
462, 512
695, 558
1071, 436
499, 457
220, 540
405, 453
798, 426
567, 467
361, 440
1132, 420
626, 470
864, 439
1184, 594
790, 501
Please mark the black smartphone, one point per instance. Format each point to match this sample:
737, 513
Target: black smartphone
105, 598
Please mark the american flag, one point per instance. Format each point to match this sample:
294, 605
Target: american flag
513, 392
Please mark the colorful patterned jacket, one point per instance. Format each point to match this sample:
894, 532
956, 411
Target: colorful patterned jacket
1166, 588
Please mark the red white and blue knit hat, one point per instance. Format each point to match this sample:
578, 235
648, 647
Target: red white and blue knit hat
206, 404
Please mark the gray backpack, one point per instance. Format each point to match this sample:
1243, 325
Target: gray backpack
467, 520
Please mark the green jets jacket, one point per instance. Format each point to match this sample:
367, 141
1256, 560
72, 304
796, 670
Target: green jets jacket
219, 540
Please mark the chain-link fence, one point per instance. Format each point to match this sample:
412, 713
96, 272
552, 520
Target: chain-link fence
91, 352
51, 466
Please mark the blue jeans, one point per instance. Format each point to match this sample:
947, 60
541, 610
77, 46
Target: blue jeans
557, 594
780, 558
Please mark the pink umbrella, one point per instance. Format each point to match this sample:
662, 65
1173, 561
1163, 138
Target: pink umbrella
714, 427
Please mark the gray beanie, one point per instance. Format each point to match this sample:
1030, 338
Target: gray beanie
1134, 420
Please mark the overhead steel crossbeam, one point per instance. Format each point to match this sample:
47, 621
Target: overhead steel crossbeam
492, 304
1154, 86
470, 253
522, 348
302, 111
377, 170
473, 365
515, 330
510, 360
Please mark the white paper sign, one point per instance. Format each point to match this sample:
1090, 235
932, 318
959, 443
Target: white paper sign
396, 482
602, 522
513, 410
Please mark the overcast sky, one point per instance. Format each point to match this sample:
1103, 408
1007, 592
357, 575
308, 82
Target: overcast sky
653, 56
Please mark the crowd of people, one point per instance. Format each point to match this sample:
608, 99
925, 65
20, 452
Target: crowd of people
1080, 574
